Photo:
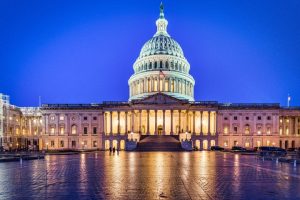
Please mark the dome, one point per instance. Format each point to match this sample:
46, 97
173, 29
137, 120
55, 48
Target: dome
161, 45
161, 67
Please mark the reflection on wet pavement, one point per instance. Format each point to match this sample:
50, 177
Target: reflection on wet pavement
149, 175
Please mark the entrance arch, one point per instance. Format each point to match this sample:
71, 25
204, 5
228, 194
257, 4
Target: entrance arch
115, 144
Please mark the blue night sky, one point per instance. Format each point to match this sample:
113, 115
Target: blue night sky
75, 51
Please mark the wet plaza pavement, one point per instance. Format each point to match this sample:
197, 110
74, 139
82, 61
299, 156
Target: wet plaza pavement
149, 175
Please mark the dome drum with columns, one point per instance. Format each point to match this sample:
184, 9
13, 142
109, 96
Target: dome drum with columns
161, 67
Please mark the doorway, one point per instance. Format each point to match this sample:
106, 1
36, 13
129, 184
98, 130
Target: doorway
159, 130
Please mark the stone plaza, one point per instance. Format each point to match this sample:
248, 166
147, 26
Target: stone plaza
149, 175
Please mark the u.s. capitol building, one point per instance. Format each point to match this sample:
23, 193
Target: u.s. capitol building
161, 102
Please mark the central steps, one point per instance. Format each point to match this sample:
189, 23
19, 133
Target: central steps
159, 143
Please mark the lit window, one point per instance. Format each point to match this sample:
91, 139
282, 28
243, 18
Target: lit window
247, 129
268, 130
74, 129
259, 130
52, 130
225, 130
280, 131
52, 118
287, 120
226, 144
94, 143
258, 143
247, 144
62, 130
287, 131
61, 118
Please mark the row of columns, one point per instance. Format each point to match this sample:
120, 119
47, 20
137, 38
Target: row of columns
174, 85
156, 127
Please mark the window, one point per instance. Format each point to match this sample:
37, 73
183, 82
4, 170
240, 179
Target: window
247, 118
268, 130
287, 120
52, 118
259, 118
61, 118
52, 143
225, 118
85, 130
62, 130
52, 131
95, 130
235, 143
235, 117
235, 129
94, 143
259, 130
298, 131
61, 143
94, 118
225, 130
247, 129
84, 118
280, 131
74, 129
269, 118
73, 144
226, 143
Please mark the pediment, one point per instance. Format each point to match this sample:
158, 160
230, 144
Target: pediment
160, 98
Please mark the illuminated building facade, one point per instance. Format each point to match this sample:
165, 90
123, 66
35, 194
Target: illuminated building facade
161, 102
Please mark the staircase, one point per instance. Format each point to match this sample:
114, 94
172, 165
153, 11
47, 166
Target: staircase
159, 143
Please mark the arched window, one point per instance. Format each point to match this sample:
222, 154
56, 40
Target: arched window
150, 65
74, 129
155, 64
176, 66
172, 65
247, 129
161, 64
167, 65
